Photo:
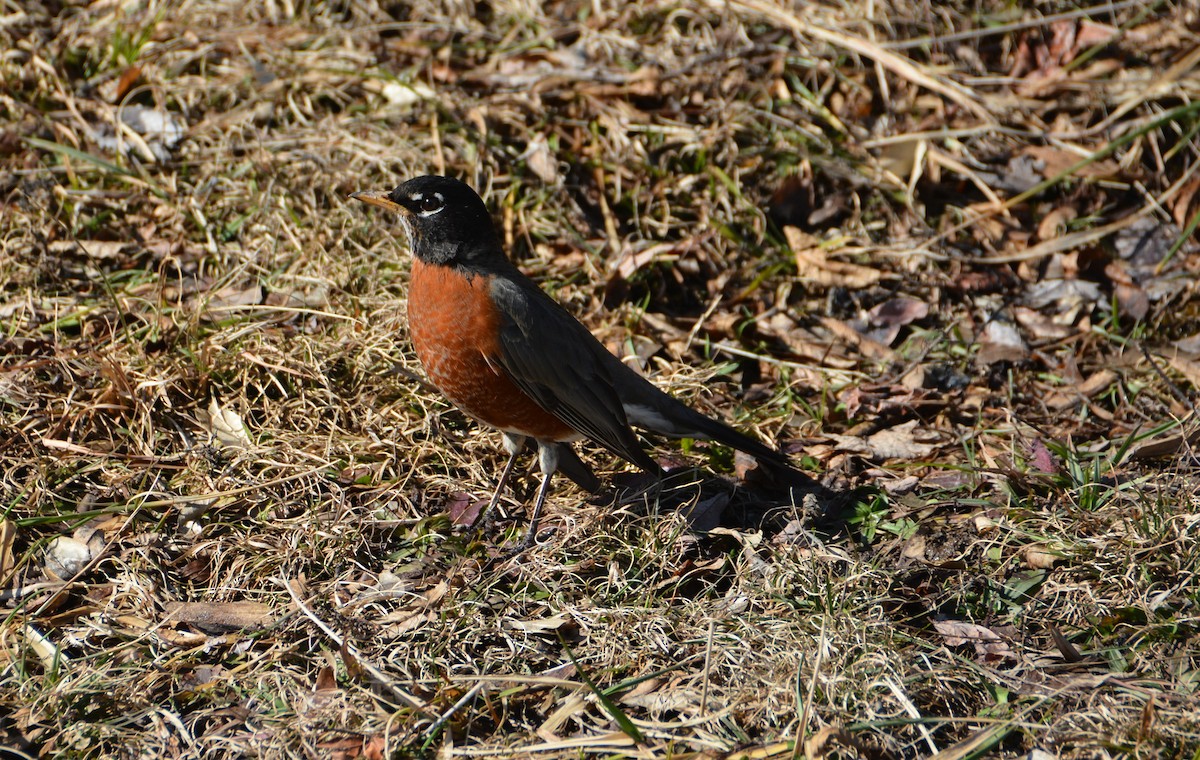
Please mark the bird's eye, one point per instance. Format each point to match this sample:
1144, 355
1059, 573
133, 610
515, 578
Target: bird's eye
431, 203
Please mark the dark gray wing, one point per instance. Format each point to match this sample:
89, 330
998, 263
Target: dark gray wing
553, 358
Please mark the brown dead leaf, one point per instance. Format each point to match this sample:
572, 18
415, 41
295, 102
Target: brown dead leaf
95, 249
814, 265
887, 318
1041, 326
130, 77
1069, 651
1055, 223
914, 548
227, 428
401, 622
1186, 367
464, 509
326, 679
983, 524
897, 442
133, 622
542, 625
1052, 161
1068, 397
872, 349
825, 743
673, 698
1190, 346
897, 312
1001, 342
805, 343
900, 442
299, 298
631, 261
8, 535
987, 642
1041, 459
221, 617
181, 639
1131, 299
1181, 204
540, 160
218, 305
1038, 557
1098, 382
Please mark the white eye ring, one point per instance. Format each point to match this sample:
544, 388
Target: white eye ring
430, 204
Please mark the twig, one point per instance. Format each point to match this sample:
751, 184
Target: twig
375, 672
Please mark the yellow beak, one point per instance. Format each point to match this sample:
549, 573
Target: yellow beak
376, 198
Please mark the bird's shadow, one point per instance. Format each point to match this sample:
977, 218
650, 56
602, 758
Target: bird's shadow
770, 504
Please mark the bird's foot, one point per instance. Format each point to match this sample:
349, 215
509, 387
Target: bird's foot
528, 542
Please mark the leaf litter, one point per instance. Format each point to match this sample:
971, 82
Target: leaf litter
947, 261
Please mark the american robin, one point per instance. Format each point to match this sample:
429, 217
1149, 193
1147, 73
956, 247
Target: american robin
511, 357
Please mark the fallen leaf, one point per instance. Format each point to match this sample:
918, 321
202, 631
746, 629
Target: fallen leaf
1068, 650
326, 679
897, 312
986, 642
1189, 345
814, 265
868, 347
221, 617
218, 305
1186, 367
680, 699
540, 160
464, 509
1001, 343
887, 318
1038, 557
8, 535
1055, 223
631, 261
1041, 459
401, 622
125, 83
984, 524
914, 548
541, 625
1053, 161
299, 298
897, 442
1061, 293
1040, 326
227, 428
825, 741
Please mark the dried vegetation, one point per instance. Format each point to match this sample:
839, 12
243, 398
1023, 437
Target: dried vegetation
944, 252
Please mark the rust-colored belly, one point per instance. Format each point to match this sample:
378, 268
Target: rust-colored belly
455, 330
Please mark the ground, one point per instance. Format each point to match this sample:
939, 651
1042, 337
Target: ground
944, 255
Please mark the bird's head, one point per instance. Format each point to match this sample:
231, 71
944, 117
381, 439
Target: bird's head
447, 222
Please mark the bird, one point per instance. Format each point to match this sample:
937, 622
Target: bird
511, 357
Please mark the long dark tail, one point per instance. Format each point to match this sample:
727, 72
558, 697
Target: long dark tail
706, 427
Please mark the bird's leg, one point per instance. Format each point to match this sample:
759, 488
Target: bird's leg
531, 534
514, 445
548, 461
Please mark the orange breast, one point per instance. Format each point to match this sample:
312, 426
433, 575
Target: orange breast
455, 329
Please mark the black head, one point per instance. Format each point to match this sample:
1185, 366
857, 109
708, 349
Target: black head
447, 222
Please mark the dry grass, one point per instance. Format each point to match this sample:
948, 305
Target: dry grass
226, 487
